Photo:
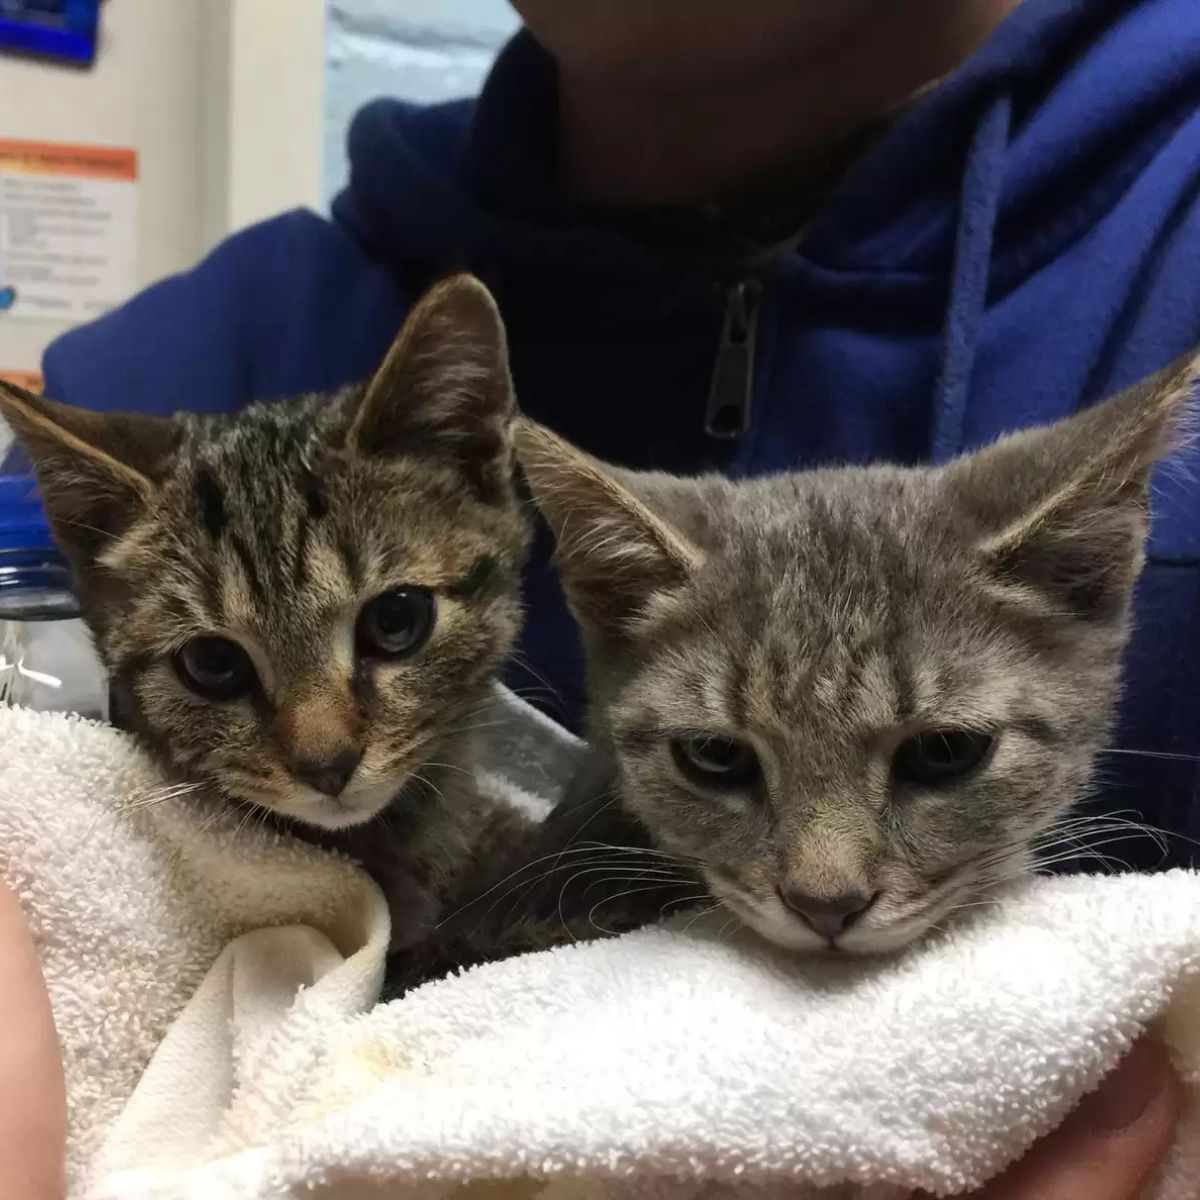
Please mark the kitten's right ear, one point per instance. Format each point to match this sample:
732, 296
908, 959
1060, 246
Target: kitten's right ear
96, 471
614, 554
444, 389
1064, 509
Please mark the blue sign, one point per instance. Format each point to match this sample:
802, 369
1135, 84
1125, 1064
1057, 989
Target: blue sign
63, 29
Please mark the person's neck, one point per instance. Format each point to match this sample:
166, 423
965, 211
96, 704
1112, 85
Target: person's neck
654, 143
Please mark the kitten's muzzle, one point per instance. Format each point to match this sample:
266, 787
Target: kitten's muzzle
828, 916
329, 776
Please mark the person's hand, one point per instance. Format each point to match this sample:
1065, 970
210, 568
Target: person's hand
1109, 1146
33, 1105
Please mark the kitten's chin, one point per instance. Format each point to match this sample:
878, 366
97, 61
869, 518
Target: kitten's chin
783, 929
355, 806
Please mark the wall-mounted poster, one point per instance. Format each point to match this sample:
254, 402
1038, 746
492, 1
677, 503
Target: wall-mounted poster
63, 29
31, 381
68, 229
12, 461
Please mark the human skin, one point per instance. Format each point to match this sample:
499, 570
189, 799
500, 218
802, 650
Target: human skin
33, 1105
1110, 1145
662, 102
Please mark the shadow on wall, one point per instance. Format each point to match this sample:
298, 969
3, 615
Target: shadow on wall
421, 50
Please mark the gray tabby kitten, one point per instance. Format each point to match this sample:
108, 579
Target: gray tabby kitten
303, 605
851, 699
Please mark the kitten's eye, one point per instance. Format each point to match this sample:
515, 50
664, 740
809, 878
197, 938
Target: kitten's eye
214, 667
395, 623
941, 756
715, 761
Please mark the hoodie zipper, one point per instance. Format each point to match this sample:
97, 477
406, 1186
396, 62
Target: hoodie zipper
730, 393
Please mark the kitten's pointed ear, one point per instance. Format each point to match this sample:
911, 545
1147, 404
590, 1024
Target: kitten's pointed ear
615, 555
444, 389
1064, 509
96, 471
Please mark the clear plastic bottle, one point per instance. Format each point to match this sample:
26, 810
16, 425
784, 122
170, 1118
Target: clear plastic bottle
47, 660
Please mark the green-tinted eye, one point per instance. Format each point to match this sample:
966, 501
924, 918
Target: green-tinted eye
715, 761
214, 667
395, 623
941, 756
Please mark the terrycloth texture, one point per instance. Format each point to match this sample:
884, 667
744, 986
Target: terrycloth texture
132, 894
680, 1062
130, 903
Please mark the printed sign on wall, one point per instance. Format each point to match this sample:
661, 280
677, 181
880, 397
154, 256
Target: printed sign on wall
31, 381
68, 229
10, 462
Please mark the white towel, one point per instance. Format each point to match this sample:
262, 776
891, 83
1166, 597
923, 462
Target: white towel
680, 1061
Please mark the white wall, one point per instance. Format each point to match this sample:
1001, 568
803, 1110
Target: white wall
142, 92
262, 89
222, 99
422, 50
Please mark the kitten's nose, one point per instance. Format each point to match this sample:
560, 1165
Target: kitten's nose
828, 917
330, 775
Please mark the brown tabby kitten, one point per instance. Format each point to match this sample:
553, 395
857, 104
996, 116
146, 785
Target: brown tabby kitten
303, 605
852, 699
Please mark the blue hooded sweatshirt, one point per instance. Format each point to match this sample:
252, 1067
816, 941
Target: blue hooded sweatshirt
1023, 241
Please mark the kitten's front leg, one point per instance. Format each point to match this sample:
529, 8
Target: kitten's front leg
413, 905
587, 871
414, 909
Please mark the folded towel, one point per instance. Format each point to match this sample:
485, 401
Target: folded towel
130, 902
687, 1060
132, 893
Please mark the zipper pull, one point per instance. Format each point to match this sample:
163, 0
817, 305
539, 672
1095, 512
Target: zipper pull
727, 416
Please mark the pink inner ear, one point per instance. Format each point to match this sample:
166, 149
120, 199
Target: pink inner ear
1072, 471
1082, 564
444, 392
446, 372
615, 555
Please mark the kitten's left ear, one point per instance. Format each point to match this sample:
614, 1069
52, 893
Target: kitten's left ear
615, 555
444, 389
1064, 509
96, 471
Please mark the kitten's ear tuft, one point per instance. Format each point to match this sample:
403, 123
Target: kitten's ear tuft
444, 389
1064, 509
96, 471
615, 555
